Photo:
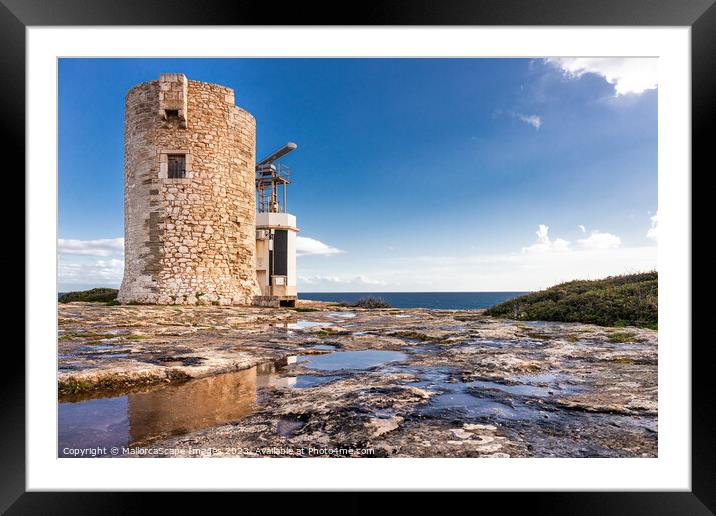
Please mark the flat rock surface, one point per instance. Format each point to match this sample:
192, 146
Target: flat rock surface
339, 382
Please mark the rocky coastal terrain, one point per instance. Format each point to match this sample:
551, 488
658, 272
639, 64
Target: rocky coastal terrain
330, 381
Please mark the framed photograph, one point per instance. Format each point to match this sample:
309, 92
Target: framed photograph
265, 245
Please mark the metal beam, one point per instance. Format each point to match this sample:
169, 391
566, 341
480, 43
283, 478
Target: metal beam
277, 154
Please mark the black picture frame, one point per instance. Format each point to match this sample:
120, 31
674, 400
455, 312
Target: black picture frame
700, 15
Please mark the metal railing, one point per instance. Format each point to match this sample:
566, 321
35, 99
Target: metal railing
271, 181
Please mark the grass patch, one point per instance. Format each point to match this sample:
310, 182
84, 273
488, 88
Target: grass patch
133, 336
408, 334
622, 337
95, 295
74, 335
94, 343
468, 318
628, 300
73, 387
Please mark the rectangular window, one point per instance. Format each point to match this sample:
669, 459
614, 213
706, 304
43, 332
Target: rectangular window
176, 166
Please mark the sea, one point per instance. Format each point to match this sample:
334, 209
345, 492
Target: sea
433, 300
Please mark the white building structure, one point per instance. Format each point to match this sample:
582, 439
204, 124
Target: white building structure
275, 231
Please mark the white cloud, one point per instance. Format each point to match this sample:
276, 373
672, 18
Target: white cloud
96, 273
320, 282
582, 228
545, 244
653, 232
101, 247
545, 263
115, 246
533, 120
514, 271
596, 240
600, 240
626, 74
307, 246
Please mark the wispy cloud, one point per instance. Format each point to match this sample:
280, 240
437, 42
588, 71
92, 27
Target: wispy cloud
626, 74
318, 282
115, 246
95, 273
533, 120
582, 228
515, 271
100, 247
308, 246
547, 261
653, 232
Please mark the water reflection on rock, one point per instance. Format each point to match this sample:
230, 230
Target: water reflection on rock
141, 417
351, 359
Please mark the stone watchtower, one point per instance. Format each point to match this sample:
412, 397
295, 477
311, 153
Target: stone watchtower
189, 195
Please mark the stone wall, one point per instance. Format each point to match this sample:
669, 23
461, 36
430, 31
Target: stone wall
191, 239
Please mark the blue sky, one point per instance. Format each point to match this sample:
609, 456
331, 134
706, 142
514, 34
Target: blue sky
410, 174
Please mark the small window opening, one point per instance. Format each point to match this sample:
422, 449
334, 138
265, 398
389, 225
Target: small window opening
176, 166
171, 113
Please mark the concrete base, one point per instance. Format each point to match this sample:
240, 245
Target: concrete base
267, 301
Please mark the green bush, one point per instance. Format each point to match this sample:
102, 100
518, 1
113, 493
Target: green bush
95, 295
367, 302
628, 300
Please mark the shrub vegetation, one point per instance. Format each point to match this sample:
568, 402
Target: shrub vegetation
95, 295
628, 300
367, 302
